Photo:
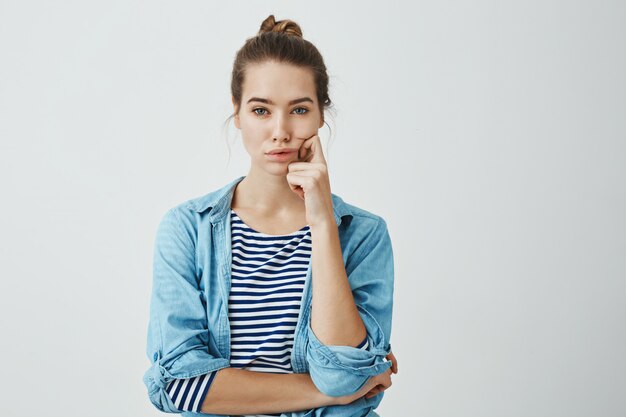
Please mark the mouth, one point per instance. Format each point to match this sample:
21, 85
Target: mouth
287, 152
280, 156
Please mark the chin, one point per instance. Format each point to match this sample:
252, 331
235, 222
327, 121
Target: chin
281, 172
276, 169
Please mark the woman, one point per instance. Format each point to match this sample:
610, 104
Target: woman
254, 310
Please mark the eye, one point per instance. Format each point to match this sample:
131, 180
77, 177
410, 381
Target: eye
264, 111
259, 108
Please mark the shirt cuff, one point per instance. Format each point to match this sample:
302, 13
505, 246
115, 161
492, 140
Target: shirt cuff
188, 394
342, 370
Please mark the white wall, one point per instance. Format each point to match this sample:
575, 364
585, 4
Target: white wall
490, 135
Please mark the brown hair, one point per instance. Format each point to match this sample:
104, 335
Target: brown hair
280, 41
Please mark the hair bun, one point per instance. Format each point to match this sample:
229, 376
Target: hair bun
286, 26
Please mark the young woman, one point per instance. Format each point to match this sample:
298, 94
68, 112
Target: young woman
272, 296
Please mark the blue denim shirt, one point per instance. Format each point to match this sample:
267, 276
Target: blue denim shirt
189, 332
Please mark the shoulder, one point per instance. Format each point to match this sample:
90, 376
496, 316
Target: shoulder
358, 217
361, 231
184, 218
198, 206
365, 241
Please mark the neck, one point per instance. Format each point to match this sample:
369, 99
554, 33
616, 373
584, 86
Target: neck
266, 193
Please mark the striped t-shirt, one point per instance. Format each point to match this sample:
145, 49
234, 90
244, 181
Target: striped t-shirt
268, 273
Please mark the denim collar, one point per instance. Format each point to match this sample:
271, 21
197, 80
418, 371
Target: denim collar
220, 202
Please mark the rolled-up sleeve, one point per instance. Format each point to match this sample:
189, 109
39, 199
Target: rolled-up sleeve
177, 331
343, 370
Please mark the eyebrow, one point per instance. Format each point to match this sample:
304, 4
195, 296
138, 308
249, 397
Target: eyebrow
267, 101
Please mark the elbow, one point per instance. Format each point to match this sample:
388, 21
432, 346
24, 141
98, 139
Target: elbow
155, 383
176, 394
338, 386
340, 370
160, 400
337, 379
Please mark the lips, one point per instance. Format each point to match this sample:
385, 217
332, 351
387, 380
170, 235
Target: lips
281, 156
281, 151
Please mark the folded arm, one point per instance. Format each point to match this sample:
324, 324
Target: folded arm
184, 375
340, 369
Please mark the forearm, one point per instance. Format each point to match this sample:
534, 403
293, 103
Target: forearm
335, 319
239, 391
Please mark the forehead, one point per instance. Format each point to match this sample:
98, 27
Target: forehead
278, 82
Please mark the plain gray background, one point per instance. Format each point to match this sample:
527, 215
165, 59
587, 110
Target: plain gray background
489, 134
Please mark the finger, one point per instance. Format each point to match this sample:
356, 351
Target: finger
303, 166
318, 152
305, 149
394, 362
394, 366
297, 179
390, 359
375, 391
314, 147
306, 153
297, 184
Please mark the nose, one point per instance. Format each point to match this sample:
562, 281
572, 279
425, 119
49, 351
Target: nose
281, 129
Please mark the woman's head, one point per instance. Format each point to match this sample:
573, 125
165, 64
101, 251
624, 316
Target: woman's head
281, 42
271, 70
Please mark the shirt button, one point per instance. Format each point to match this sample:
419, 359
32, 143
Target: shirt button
156, 356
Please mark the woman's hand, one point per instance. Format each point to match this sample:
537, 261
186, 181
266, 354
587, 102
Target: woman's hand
309, 179
394, 362
379, 388
375, 385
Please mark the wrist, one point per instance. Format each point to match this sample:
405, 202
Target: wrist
324, 219
327, 400
328, 224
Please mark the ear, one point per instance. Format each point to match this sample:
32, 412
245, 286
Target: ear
236, 113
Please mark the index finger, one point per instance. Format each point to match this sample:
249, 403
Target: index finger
394, 362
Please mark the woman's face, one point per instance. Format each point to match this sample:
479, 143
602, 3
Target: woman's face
269, 111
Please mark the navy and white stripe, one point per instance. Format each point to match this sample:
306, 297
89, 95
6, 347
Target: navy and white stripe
267, 280
188, 394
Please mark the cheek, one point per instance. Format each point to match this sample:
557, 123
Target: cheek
306, 129
252, 141
254, 128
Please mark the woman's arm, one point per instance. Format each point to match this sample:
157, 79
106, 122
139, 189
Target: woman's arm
335, 319
239, 391
336, 369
